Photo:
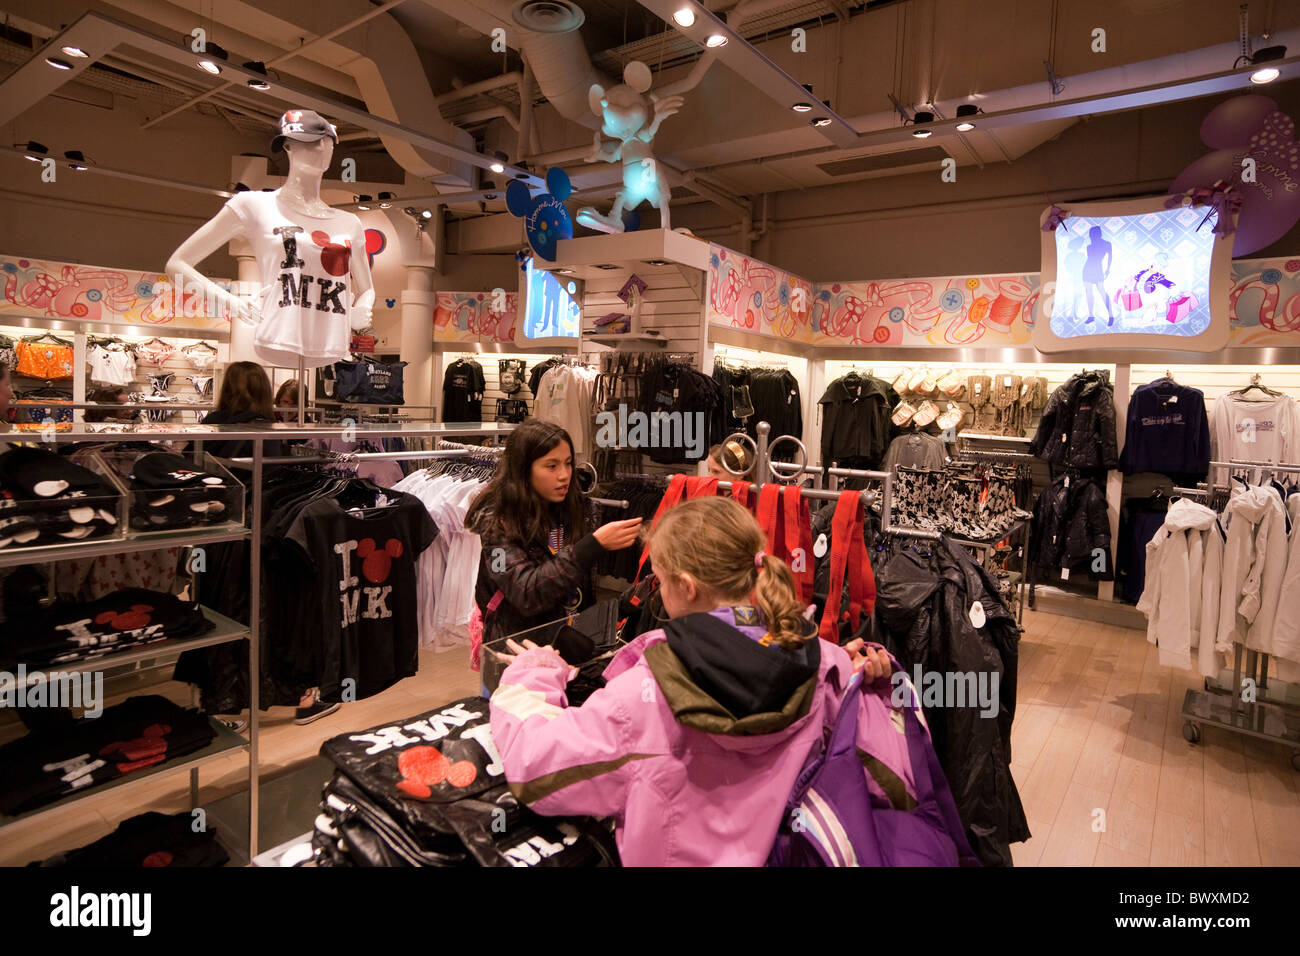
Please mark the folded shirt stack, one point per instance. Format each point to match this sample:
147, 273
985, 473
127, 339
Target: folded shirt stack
149, 840
171, 491
77, 631
140, 732
47, 499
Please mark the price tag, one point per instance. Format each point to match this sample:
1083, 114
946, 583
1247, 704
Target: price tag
820, 547
1173, 399
1067, 481
1065, 574
1006, 382
1065, 436
363, 344
979, 387
977, 615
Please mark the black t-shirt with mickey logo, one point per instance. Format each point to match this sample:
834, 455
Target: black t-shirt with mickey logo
366, 603
462, 392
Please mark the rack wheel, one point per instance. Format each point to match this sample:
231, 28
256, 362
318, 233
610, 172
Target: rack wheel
1295, 760
1191, 733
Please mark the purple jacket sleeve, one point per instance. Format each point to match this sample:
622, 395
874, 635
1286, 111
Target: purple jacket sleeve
562, 760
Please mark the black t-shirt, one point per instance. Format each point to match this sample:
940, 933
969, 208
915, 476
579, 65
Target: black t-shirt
462, 392
366, 566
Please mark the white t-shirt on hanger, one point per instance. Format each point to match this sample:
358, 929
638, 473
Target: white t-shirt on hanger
306, 279
1254, 431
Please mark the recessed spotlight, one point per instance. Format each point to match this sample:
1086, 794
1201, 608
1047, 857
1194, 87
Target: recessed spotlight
409, 210
384, 200
212, 52
964, 112
363, 203
919, 118
1266, 55
497, 167
76, 159
58, 64
427, 213
715, 40
685, 17
36, 151
821, 121
257, 82
1266, 75
76, 52
965, 127
488, 197
802, 107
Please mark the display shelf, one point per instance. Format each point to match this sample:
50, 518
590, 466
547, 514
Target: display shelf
83, 432
615, 339
146, 541
225, 742
226, 630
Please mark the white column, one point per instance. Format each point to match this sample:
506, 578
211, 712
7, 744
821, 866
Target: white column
417, 338
241, 335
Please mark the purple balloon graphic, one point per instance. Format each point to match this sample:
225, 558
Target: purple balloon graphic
1251, 126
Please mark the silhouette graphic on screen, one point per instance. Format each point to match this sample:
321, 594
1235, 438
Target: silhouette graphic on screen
1074, 260
1095, 271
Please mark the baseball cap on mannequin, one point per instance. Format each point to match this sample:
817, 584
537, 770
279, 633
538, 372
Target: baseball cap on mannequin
305, 126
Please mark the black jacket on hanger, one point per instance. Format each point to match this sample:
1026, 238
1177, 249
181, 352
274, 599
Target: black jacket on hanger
855, 419
1077, 429
1072, 528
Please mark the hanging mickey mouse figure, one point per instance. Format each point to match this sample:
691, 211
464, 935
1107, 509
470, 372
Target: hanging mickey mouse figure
631, 115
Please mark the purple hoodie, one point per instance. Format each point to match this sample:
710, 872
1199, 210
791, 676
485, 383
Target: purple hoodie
690, 781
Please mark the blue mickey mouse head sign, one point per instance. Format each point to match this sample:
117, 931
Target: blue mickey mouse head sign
546, 221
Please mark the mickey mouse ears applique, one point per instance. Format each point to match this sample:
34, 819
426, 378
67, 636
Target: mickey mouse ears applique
546, 221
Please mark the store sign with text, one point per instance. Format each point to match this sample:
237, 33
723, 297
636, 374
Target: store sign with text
991, 311
93, 294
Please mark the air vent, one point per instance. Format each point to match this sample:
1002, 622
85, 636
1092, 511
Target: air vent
871, 164
548, 16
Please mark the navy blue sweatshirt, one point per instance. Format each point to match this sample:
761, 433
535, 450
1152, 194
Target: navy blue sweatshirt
1168, 432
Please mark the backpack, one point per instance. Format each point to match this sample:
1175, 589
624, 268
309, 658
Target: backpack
831, 818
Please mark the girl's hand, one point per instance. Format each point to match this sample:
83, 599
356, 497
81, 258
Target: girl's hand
872, 660
518, 649
617, 535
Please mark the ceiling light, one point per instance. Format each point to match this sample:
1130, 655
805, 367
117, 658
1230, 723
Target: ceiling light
76, 159
685, 17
36, 151
384, 200
58, 64
964, 112
363, 203
802, 107
1266, 55
427, 213
257, 83
715, 40
208, 59
75, 52
409, 210
489, 196
1267, 75
497, 167
822, 121
919, 118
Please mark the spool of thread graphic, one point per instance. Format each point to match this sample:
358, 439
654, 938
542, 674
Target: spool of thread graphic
1010, 299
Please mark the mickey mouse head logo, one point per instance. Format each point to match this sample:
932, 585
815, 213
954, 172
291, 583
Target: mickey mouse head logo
546, 221
130, 620
390, 302
423, 768
147, 749
375, 564
334, 256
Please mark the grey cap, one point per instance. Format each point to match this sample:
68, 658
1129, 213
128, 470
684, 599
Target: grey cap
305, 126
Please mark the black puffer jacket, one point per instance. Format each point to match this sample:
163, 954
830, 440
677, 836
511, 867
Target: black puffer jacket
1072, 529
923, 603
1077, 429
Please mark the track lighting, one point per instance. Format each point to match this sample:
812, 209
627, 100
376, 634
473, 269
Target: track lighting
715, 40
36, 151
964, 112
498, 167
1266, 74
212, 52
685, 17
802, 107
426, 213
363, 203
76, 52
76, 159
822, 121
257, 83
384, 200
919, 118
58, 64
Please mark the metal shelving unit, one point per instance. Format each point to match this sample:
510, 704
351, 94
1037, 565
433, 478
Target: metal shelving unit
226, 741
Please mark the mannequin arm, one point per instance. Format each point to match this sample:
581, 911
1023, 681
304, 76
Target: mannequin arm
206, 240
363, 284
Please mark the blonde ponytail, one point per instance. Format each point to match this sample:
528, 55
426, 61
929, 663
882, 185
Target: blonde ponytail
720, 545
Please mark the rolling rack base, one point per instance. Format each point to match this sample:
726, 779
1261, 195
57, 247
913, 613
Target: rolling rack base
1259, 717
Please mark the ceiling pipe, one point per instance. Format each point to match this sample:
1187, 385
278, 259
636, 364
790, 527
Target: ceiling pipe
483, 116
459, 93
527, 128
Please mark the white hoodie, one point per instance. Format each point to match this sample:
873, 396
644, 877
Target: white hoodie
1254, 563
1172, 599
1286, 634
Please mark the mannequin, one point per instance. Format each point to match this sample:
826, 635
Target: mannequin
315, 274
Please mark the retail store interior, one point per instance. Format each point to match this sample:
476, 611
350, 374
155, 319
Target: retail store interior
988, 314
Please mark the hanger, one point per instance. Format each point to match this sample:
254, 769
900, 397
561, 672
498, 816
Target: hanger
1255, 384
195, 345
47, 337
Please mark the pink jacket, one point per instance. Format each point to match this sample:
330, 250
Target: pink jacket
638, 750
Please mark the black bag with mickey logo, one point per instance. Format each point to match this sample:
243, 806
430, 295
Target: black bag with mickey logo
431, 791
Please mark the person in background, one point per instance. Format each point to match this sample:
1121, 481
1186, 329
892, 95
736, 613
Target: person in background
736, 457
109, 395
245, 399
286, 401
538, 553
6, 396
694, 744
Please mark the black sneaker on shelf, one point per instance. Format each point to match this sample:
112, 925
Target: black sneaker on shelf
317, 710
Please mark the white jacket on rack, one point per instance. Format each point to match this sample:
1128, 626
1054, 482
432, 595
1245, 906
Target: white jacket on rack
1286, 635
1254, 563
1183, 556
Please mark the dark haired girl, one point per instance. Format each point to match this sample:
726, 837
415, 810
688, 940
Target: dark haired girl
537, 550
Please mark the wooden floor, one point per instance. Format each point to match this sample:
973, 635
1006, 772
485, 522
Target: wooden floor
1097, 729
